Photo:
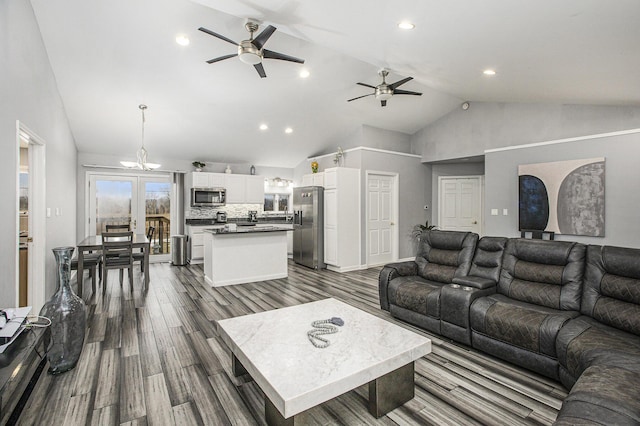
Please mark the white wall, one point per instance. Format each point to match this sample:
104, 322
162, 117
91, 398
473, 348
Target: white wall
29, 93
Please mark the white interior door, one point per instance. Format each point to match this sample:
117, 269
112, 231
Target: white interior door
380, 219
460, 206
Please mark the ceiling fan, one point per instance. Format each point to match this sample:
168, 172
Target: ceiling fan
252, 51
384, 91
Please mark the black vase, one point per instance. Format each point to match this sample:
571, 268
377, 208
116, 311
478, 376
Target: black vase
67, 312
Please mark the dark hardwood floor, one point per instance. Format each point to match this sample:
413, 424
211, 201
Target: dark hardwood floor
155, 357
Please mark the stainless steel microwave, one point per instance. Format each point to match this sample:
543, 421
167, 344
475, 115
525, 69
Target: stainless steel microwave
208, 197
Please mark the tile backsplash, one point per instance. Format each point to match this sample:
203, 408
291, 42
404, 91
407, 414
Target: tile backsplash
232, 210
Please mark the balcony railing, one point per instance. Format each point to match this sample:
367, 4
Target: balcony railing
161, 240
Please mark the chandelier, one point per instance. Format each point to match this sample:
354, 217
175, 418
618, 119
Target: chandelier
141, 155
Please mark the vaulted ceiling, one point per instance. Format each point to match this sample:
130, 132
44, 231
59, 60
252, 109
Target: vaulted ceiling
109, 57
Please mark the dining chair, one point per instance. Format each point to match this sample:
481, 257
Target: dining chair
117, 253
139, 256
122, 227
90, 261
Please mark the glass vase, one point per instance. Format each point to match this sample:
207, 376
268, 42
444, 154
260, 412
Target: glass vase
67, 313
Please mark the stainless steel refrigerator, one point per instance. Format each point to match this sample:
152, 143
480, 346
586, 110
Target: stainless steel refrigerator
308, 226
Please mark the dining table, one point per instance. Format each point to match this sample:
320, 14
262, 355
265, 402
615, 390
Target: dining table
93, 243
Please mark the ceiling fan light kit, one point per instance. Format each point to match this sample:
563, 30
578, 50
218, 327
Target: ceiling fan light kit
383, 91
252, 51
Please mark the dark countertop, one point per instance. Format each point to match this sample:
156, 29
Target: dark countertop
250, 230
238, 220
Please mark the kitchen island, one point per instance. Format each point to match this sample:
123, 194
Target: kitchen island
247, 254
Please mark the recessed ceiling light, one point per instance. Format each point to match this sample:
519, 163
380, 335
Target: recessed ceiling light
406, 25
288, 130
263, 126
182, 40
489, 72
304, 73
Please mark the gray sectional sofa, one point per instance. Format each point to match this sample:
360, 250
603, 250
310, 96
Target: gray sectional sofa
562, 309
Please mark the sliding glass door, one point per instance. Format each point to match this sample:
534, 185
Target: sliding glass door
143, 203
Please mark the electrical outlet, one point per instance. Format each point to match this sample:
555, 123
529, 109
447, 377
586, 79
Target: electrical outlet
48, 211
505, 212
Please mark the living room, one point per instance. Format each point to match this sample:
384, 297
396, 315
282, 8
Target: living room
490, 138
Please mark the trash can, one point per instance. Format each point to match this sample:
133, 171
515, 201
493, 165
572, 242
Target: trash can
179, 250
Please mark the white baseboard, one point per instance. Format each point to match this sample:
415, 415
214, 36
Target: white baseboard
406, 259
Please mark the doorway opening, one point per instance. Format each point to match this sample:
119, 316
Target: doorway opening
144, 203
30, 218
381, 217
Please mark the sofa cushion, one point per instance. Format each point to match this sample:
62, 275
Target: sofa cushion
416, 294
612, 287
443, 255
545, 273
604, 394
487, 259
525, 325
584, 341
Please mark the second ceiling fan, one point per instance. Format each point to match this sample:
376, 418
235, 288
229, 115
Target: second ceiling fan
252, 51
384, 91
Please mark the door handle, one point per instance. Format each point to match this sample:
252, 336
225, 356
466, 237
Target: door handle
392, 223
29, 239
475, 222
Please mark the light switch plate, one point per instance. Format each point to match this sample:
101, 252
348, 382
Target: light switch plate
48, 211
505, 212
494, 212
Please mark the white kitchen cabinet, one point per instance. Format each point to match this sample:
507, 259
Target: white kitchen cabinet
236, 186
342, 238
313, 179
195, 252
206, 180
254, 193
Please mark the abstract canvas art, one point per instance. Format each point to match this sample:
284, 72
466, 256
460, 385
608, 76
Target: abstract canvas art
565, 197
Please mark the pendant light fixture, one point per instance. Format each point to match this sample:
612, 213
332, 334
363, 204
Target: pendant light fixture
142, 163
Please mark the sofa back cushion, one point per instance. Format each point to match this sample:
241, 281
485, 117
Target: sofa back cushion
443, 255
545, 273
612, 287
487, 259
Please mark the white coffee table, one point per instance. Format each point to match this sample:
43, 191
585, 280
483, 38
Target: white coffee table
274, 349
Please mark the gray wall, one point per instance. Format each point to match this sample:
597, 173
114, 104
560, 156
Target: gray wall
415, 191
622, 227
29, 93
487, 125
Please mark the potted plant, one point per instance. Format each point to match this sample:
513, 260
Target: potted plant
419, 229
199, 165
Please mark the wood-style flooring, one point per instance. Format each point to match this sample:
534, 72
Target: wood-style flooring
155, 357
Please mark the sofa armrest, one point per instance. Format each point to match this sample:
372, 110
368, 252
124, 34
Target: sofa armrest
404, 269
475, 282
388, 273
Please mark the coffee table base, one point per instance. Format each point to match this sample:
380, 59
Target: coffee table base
386, 393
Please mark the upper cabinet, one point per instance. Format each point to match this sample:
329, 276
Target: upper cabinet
313, 179
241, 189
206, 180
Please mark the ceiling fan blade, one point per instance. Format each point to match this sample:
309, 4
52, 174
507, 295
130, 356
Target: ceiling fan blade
363, 96
221, 58
260, 70
263, 36
405, 92
400, 83
221, 37
366, 85
383, 103
268, 54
